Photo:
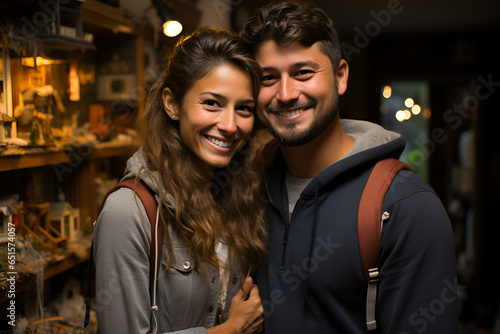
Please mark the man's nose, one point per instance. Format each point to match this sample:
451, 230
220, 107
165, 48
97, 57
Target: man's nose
287, 90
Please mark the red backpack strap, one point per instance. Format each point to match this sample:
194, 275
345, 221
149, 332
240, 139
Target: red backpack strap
149, 201
370, 225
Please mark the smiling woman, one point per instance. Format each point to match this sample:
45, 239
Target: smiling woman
216, 116
196, 128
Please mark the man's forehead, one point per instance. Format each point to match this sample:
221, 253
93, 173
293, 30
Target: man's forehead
272, 54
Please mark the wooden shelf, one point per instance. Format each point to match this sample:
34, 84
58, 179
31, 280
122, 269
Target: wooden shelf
82, 195
69, 262
32, 160
102, 152
82, 160
51, 269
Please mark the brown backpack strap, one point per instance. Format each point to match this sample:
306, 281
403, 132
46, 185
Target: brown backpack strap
148, 200
370, 225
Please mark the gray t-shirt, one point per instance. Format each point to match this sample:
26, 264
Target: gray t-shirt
354, 129
294, 186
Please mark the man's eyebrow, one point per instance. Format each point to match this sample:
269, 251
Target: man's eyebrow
268, 68
305, 63
293, 66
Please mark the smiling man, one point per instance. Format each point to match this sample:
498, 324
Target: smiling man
314, 282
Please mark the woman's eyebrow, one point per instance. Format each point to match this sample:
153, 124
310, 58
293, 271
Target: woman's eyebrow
222, 97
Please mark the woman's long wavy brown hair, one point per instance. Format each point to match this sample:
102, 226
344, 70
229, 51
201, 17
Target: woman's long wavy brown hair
230, 207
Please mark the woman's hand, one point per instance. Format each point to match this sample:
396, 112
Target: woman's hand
245, 314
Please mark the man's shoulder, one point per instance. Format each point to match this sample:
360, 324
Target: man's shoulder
407, 182
412, 194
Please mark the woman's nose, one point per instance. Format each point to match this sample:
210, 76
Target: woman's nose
227, 122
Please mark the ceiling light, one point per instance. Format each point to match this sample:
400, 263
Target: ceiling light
171, 27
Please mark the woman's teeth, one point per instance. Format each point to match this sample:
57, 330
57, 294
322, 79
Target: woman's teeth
219, 142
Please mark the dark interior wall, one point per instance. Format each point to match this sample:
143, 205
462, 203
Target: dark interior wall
464, 77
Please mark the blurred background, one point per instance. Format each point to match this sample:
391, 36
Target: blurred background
427, 69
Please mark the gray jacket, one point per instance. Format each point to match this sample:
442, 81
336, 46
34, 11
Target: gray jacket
186, 298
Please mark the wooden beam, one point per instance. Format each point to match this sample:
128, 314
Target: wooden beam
100, 15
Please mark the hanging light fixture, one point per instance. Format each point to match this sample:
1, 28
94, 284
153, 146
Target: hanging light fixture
171, 27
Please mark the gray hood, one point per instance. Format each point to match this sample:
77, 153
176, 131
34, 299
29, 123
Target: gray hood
367, 135
372, 143
138, 166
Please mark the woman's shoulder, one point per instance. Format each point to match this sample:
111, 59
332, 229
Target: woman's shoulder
123, 217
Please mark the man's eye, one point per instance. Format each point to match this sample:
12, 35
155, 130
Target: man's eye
268, 79
302, 73
246, 109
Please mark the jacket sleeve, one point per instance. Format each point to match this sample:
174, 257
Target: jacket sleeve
122, 239
417, 286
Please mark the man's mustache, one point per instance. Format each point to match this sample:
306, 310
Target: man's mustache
296, 105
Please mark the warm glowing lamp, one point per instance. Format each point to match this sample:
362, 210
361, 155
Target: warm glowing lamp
171, 27
400, 115
387, 92
416, 109
409, 102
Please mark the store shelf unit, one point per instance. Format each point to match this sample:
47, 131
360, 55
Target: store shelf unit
65, 262
75, 169
76, 166
43, 173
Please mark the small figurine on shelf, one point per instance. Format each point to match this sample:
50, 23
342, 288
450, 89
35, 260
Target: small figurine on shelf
35, 223
65, 219
38, 113
36, 133
5, 127
9, 206
5, 220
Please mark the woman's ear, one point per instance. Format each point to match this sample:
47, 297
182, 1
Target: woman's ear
169, 104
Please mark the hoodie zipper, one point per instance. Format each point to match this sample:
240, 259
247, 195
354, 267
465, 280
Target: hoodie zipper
285, 241
307, 295
286, 232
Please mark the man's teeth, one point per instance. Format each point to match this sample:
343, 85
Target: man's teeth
291, 113
220, 142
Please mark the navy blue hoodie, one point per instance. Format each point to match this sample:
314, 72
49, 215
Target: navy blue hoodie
314, 282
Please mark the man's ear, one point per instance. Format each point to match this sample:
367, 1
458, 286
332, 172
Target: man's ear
342, 75
169, 104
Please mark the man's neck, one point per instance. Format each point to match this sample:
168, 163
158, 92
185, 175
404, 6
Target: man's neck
307, 161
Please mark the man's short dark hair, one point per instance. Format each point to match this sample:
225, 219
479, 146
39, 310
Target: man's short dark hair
286, 22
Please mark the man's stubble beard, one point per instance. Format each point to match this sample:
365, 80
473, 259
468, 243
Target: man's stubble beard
320, 123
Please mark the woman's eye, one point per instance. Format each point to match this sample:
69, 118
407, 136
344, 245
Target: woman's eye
210, 103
